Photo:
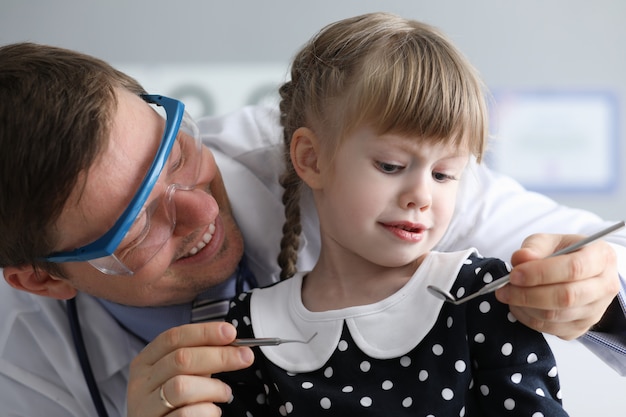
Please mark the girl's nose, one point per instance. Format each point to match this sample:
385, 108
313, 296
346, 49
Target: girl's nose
416, 195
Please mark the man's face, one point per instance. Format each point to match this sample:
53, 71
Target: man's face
184, 266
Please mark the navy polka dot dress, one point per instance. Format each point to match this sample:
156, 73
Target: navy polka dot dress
410, 355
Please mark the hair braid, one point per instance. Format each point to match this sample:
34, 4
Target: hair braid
291, 183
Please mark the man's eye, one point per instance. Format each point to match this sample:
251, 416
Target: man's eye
175, 160
388, 168
137, 232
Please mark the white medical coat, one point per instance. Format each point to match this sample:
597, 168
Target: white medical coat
39, 371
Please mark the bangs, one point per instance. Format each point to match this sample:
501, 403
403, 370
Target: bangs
417, 88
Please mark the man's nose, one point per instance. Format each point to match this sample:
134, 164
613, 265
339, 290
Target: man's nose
193, 207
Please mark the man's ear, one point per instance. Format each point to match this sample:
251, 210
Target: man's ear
305, 156
26, 278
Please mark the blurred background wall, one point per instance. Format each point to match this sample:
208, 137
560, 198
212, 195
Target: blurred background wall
218, 56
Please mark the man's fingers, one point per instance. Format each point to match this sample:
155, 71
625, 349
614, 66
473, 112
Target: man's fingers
539, 246
565, 310
191, 389
198, 334
555, 322
589, 261
562, 295
193, 393
203, 361
188, 350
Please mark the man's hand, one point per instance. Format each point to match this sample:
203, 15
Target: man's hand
564, 295
180, 362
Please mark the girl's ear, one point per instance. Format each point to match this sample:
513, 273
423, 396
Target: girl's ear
25, 278
305, 156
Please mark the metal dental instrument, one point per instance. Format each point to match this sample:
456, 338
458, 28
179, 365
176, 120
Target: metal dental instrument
268, 341
501, 282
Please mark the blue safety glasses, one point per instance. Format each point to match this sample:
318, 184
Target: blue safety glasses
148, 221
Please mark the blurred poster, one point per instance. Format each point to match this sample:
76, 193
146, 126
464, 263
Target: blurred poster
210, 89
557, 141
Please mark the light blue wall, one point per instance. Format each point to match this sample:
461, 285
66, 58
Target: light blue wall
530, 44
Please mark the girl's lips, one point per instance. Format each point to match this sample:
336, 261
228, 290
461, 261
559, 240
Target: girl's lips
410, 232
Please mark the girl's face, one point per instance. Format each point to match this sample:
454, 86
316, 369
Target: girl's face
387, 198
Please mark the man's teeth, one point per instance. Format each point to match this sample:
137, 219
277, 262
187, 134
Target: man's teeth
206, 238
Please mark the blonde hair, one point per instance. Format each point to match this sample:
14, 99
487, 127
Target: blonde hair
392, 74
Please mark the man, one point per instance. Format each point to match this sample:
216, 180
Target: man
123, 212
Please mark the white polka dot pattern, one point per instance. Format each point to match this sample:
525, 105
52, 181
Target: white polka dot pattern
476, 361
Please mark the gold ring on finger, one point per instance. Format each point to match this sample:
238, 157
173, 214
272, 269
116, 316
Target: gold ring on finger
164, 400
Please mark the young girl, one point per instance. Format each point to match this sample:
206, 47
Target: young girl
380, 118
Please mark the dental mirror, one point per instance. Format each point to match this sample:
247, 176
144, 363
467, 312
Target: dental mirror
501, 282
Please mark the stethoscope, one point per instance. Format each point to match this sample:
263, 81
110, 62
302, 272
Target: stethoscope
243, 277
83, 358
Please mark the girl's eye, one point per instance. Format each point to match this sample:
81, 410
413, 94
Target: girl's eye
441, 177
388, 168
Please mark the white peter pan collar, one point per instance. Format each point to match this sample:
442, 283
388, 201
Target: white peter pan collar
389, 328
